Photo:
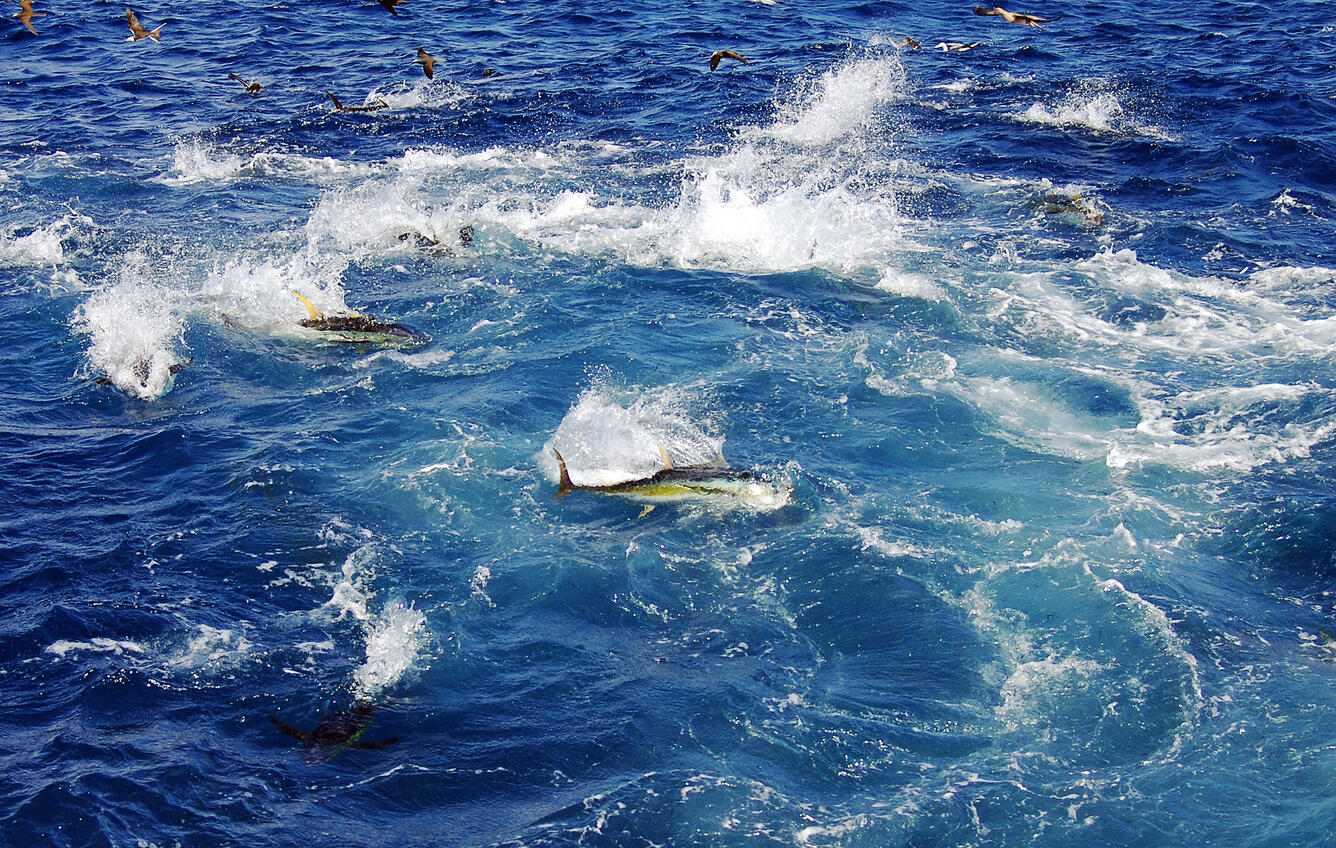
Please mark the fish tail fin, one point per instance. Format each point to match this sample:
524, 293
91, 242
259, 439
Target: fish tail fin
667, 463
565, 487
316, 314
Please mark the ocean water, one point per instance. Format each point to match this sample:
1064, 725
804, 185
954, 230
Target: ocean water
1032, 344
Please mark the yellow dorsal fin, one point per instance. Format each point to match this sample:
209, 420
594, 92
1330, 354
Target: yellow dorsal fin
316, 314
667, 463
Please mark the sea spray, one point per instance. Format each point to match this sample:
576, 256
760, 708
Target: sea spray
133, 327
393, 641
611, 436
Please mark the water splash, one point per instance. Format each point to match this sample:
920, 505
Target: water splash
134, 326
612, 437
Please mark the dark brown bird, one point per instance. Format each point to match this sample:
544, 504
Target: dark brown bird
726, 54
26, 14
251, 87
137, 32
910, 43
390, 4
1013, 17
370, 107
426, 60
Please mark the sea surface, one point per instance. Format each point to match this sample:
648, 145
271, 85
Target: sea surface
1029, 346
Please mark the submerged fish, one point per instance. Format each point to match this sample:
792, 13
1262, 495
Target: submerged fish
338, 730
688, 483
358, 329
1077, 206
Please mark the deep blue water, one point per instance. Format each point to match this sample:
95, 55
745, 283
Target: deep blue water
1033, 345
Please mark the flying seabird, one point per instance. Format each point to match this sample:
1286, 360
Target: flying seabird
957, 46
426, 60
137, 32
910, 43
26, 14
251, 87
726, 54
370, 107
1013, 17
390, 4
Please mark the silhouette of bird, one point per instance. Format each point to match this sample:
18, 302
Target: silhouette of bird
726, 54
426, 60
390, 4
137, 32
251, 87
26, 14
1013, 17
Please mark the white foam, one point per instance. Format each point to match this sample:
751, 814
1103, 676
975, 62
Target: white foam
43, 246
610, 437
423, 94
1224, 436
492, 159
841, 102
393, 642
1037, 417
258, 293
1286, 204
98, 644
791, 195
1092, 106
212, 646
349, 597
911, 285
132, 325
195, 162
